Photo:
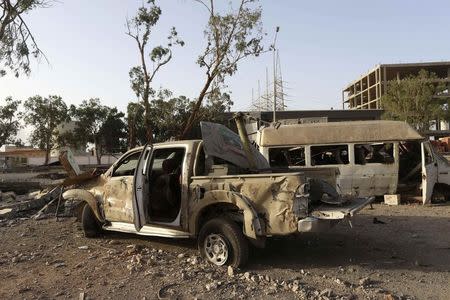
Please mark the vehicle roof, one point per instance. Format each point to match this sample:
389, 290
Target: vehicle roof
337, 132
189, 142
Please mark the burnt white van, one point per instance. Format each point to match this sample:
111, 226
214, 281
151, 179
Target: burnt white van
374, 158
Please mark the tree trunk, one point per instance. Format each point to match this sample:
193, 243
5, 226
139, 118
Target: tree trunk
132, 131
190, 122
148, 126
47, 155
47, 150
98, 153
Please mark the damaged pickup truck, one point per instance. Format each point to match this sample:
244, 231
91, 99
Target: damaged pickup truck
206, 189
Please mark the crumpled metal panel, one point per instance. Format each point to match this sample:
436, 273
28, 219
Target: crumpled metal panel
221, 142
272, 196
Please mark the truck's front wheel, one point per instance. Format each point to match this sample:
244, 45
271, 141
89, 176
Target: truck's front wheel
222, 242
91, 225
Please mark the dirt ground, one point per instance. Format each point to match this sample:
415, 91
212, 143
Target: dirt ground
403, 254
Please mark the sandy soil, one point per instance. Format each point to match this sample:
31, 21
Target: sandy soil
405, 256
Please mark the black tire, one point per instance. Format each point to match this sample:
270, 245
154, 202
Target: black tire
226, 231
91, 226
441, 194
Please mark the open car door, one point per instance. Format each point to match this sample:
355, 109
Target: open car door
141, 188
429, 172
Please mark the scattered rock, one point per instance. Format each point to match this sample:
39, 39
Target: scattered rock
83, 247
247, 275
230, 271
327, 293
364, 281
59, 265
295, 286
194, 260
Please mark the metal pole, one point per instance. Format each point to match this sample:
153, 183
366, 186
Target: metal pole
267, 89
275, 76
281, 80
259, 97
239, 119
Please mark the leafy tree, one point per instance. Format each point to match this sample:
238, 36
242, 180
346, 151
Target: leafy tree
139, 29
9, 121
113, 132
168, 114
99, 124
231, 37
17, 42
418, 100
217, 103
45, 114
135, 124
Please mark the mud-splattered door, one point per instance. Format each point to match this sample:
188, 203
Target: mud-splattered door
119, 190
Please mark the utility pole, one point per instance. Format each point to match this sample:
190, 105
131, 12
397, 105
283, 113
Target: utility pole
281, 80
275, 75
267, 89
259, 97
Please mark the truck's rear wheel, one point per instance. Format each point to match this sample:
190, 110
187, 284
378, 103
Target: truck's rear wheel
222, 242
91, 225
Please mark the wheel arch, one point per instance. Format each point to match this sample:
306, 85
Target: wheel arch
85, 197
218, 201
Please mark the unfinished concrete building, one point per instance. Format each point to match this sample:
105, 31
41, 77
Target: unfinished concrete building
365, 92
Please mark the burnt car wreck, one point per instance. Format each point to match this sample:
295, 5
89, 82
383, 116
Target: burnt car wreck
216, 190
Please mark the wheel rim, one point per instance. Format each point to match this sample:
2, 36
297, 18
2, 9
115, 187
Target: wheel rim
216, 249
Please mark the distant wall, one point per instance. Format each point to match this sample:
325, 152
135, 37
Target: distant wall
80, 159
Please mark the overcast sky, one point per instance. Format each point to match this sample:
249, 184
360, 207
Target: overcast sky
323, 46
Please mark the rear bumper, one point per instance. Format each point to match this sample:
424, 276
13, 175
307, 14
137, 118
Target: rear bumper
326, 216
339, 212
312, 224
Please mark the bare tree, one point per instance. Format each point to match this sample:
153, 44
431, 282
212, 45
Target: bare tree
140, 28
230, 37
17, 42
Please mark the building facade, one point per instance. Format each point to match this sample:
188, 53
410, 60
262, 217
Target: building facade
366, 91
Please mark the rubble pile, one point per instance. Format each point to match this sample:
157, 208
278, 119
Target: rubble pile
12, 204
188, 275
41, 256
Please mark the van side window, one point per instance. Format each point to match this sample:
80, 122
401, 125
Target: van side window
378, 153
287, 156
329, 155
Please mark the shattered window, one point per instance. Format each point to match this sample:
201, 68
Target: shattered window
428, 154
171, 156
381, 153
329, 155
287, 156
127, 165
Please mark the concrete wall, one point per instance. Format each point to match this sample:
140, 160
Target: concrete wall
80, 159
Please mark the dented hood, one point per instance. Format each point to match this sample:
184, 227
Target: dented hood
221, 142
